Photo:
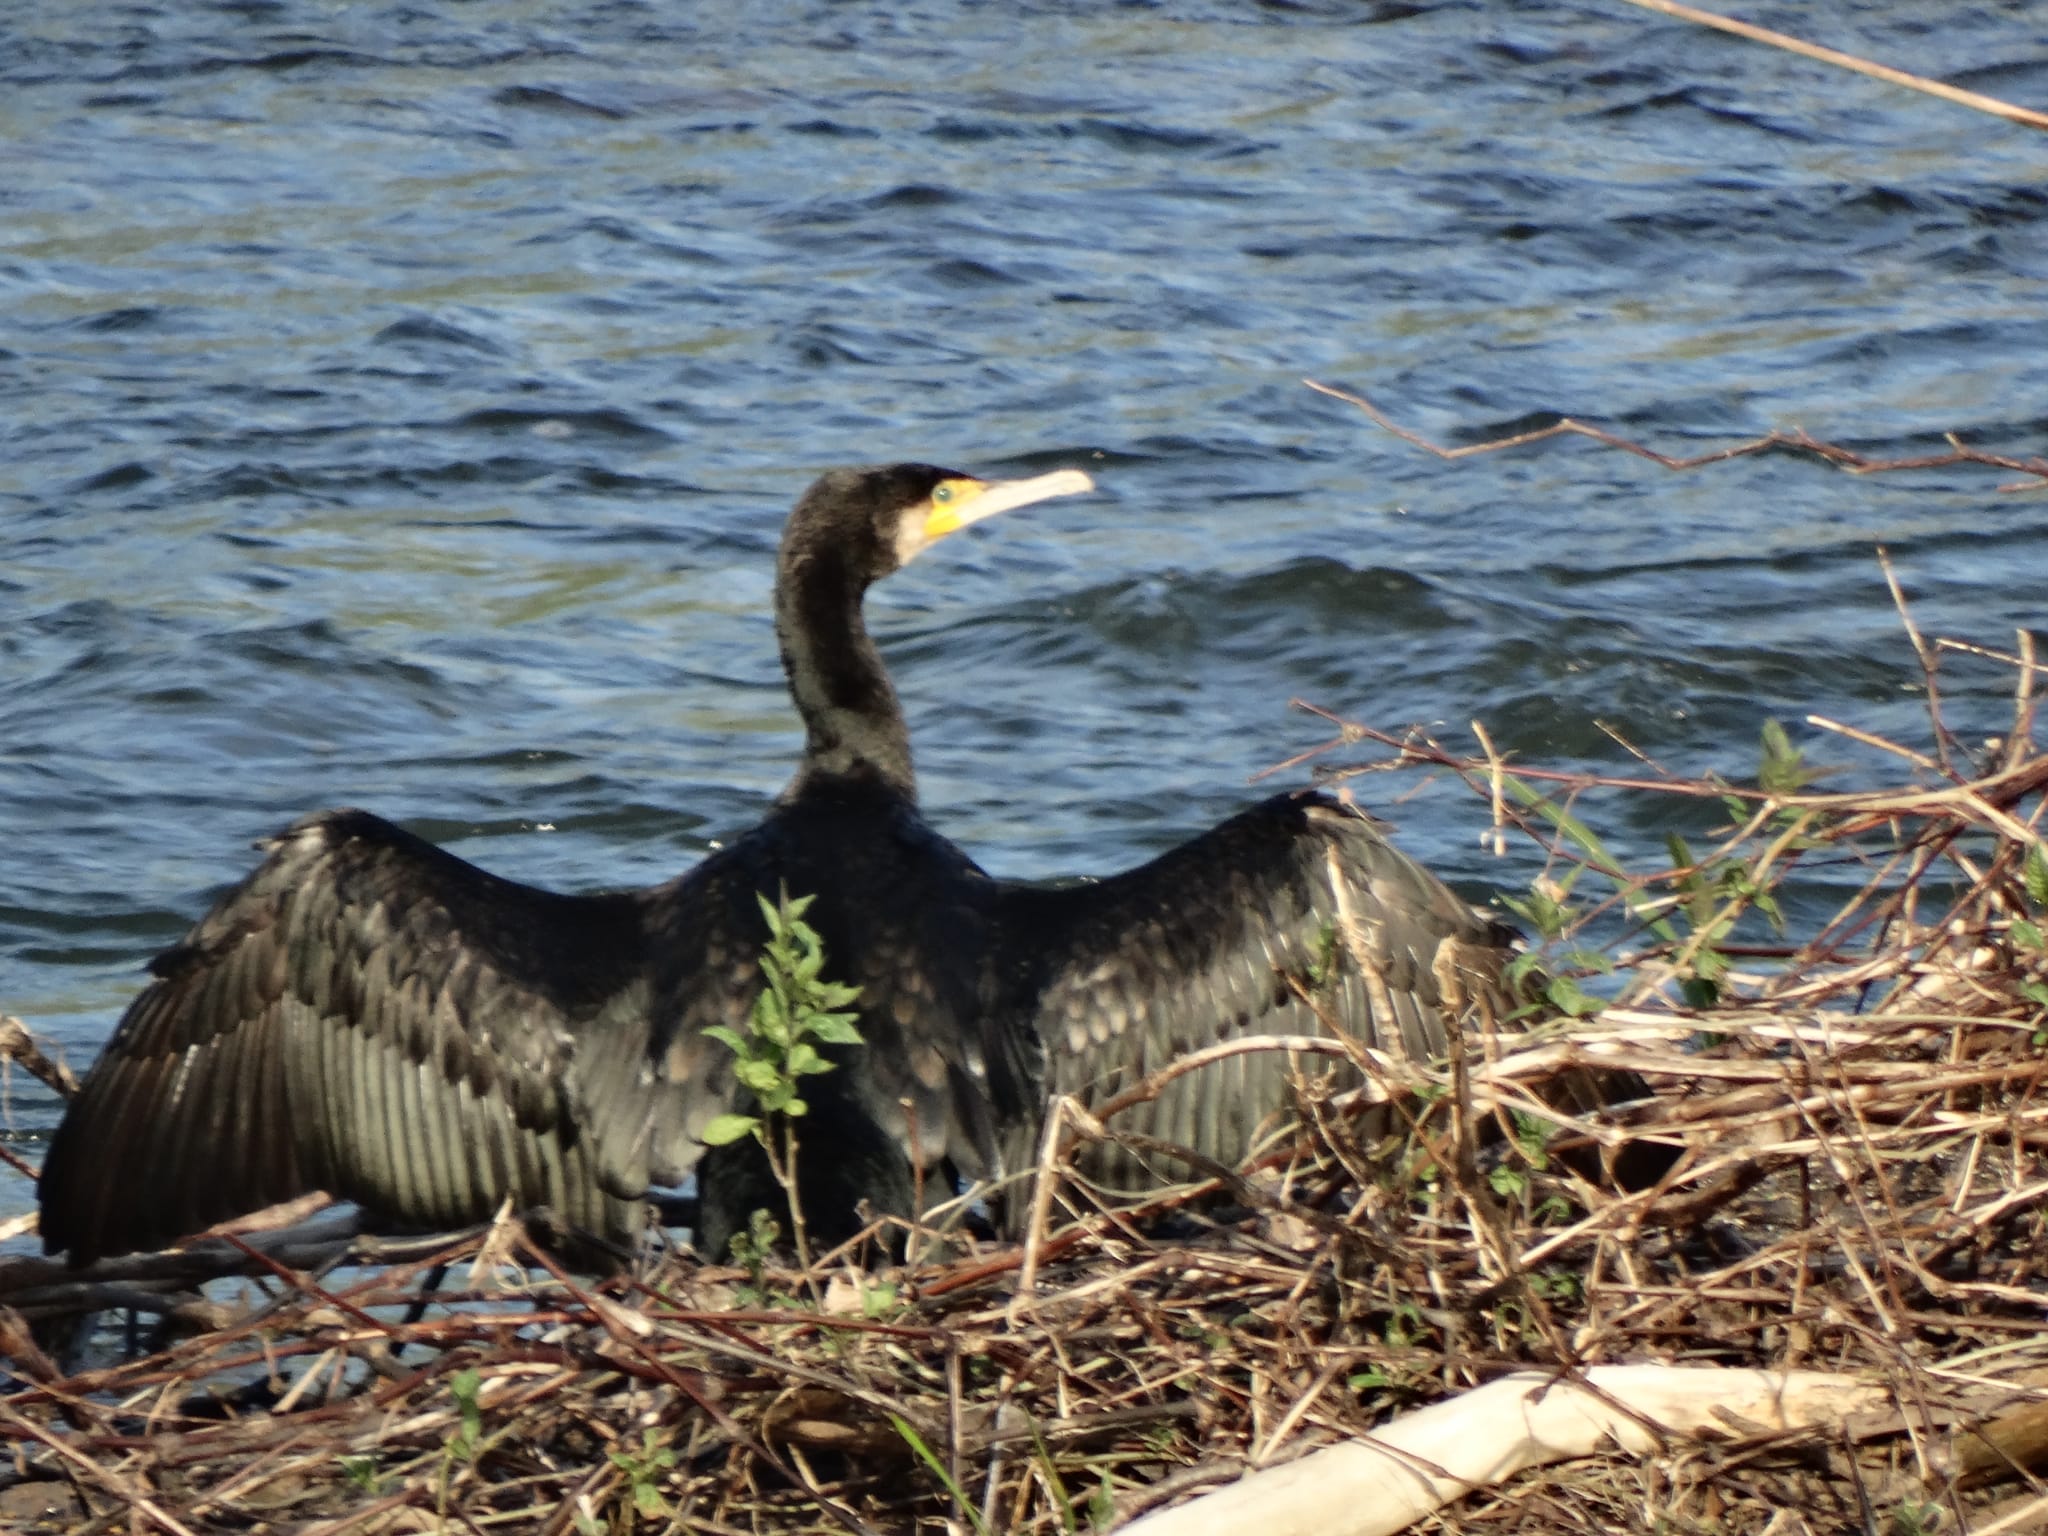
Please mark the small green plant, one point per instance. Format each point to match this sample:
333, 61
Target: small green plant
1710, 896
1782, 770
1510, 1179
796, 1011
1913, 1518
466, 1442
1102, 1503
753, 1248
361, 1471
2027, 934
1404, 1326
1555, 1211
644, 1472
880, 1300
1545, 908
1532, 1137
464, 1386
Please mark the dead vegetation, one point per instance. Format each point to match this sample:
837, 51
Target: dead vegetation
1857, 1099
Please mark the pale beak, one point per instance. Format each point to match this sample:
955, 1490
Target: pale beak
1001, 496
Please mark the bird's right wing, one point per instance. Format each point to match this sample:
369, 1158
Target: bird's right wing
365, 1014
1290, 916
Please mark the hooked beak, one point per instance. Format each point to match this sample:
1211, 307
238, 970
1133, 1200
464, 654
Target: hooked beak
973, 501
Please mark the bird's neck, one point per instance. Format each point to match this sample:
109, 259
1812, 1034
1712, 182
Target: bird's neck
853, 725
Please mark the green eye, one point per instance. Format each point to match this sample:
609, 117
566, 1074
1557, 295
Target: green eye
942, 494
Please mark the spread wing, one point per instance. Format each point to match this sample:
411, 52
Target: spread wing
1208, 943
368, 1015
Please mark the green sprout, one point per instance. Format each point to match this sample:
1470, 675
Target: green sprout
796, 1011
644, 1472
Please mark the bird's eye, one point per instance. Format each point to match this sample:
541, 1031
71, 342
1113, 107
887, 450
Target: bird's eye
942, 494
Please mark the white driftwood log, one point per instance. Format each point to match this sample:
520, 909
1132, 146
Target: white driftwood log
1424, 1460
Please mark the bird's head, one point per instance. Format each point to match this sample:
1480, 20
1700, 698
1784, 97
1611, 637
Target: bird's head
881, 517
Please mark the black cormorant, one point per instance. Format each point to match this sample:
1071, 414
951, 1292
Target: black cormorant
372, 1016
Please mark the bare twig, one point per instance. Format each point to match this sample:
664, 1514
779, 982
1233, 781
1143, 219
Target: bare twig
1796, 440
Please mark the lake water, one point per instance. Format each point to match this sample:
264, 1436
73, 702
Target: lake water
399, 405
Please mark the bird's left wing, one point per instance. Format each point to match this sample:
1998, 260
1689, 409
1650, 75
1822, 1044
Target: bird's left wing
365, 1014
1221, 938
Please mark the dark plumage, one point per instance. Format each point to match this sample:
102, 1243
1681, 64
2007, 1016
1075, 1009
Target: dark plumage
370, 1015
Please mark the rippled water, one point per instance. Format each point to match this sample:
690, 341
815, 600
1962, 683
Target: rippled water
399, 405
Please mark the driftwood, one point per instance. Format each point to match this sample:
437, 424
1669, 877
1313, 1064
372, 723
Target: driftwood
1422, 1461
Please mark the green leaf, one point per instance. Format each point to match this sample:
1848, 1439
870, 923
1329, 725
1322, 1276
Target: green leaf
835, 1029
803, 1059
1102, 1502
1567, 996
915, 1441
2027, 934
2035, 991
1531, 1133
725, 1129
726, 1035
361, 1471
2037, 877
770, 1019
1571, 828
761, 1076
1767, 904
1540, 911
464, 1387
1587, 960
1783, 770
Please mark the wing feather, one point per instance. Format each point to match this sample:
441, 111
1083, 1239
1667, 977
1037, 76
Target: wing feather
1210, 942
368, 1014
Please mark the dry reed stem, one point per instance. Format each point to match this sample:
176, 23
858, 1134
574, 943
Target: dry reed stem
2025, 116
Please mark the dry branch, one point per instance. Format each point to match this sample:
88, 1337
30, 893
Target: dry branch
1796, 440
19, 1045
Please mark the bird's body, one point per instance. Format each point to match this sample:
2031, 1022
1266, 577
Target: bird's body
370, 1015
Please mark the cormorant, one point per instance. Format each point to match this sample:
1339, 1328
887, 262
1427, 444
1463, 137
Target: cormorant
369, 1015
